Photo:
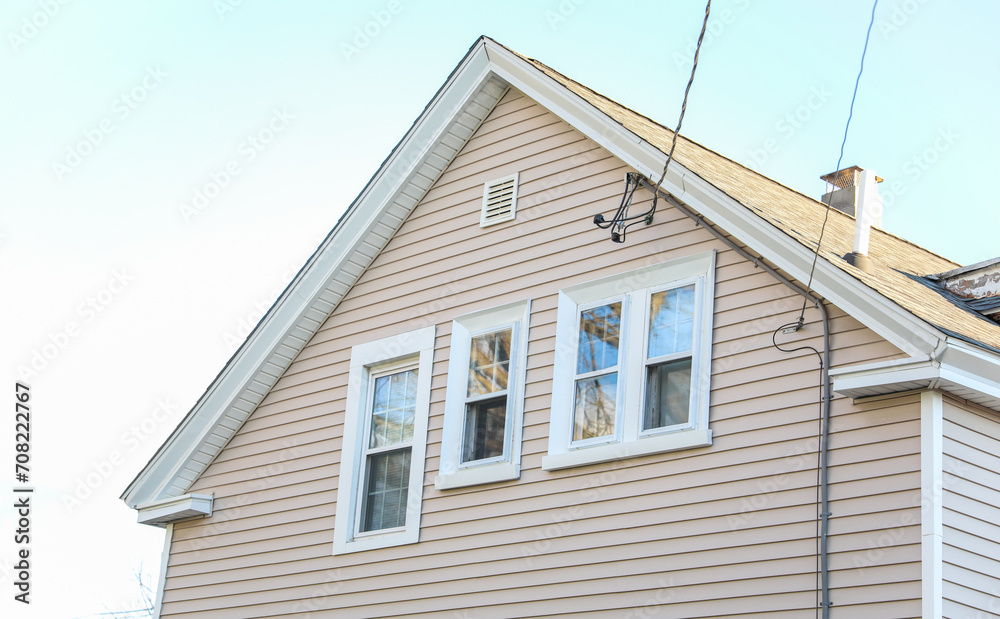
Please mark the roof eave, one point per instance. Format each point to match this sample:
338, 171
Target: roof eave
959, 368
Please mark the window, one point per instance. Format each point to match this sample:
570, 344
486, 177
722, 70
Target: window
483, 406
393, 400
486, 396
632, 366
385, 438
596, 390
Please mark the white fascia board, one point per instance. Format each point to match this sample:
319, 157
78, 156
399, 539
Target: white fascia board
159, 513
966, 362
901, 328
958, 367
311, 281
854, 381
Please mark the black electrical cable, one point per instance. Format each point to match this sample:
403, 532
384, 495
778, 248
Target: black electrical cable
621, 222
819, 447
631, 184
843, 142
694, 67
797, 324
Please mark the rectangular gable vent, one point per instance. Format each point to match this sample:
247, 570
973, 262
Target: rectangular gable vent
499, 200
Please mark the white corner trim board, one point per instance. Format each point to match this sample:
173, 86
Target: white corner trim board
932, 502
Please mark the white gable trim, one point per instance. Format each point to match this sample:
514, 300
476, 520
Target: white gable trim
445, 125
447, 122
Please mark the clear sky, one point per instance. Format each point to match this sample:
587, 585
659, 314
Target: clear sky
166, 167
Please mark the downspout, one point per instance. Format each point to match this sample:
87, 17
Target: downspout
758, 261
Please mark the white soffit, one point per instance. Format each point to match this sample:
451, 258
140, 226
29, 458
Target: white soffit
159, 513
959, 369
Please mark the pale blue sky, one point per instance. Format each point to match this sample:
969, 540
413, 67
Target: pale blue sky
118, 112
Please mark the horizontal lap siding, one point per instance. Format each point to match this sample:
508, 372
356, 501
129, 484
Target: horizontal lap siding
712, 532
971, 501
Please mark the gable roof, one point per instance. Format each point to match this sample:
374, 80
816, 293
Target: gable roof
777, 223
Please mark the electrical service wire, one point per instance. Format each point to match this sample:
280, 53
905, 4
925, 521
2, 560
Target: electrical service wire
618, 223
822, 520
840, 158
820, 440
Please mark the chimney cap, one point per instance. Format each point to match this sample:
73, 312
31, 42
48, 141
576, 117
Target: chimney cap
845, 178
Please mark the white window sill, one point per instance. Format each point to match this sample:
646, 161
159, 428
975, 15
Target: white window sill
371, 541
686, 439
477, 475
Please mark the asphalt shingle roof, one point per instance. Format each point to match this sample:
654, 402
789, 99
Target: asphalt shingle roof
898, 263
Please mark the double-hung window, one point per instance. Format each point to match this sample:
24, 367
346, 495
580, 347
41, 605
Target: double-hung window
486, 399
632, 366
385, 439
388, 450
483, 406
596, 387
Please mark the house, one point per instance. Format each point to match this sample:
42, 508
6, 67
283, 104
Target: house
471, 403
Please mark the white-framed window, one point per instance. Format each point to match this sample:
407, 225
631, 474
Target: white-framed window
385, 441
633, 362
481, 438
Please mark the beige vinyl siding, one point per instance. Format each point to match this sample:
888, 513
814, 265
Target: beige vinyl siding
727, 530
971, 501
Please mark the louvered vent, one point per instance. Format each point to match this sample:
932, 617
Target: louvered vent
499, 201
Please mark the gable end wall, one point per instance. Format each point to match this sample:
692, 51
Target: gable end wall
721, 531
